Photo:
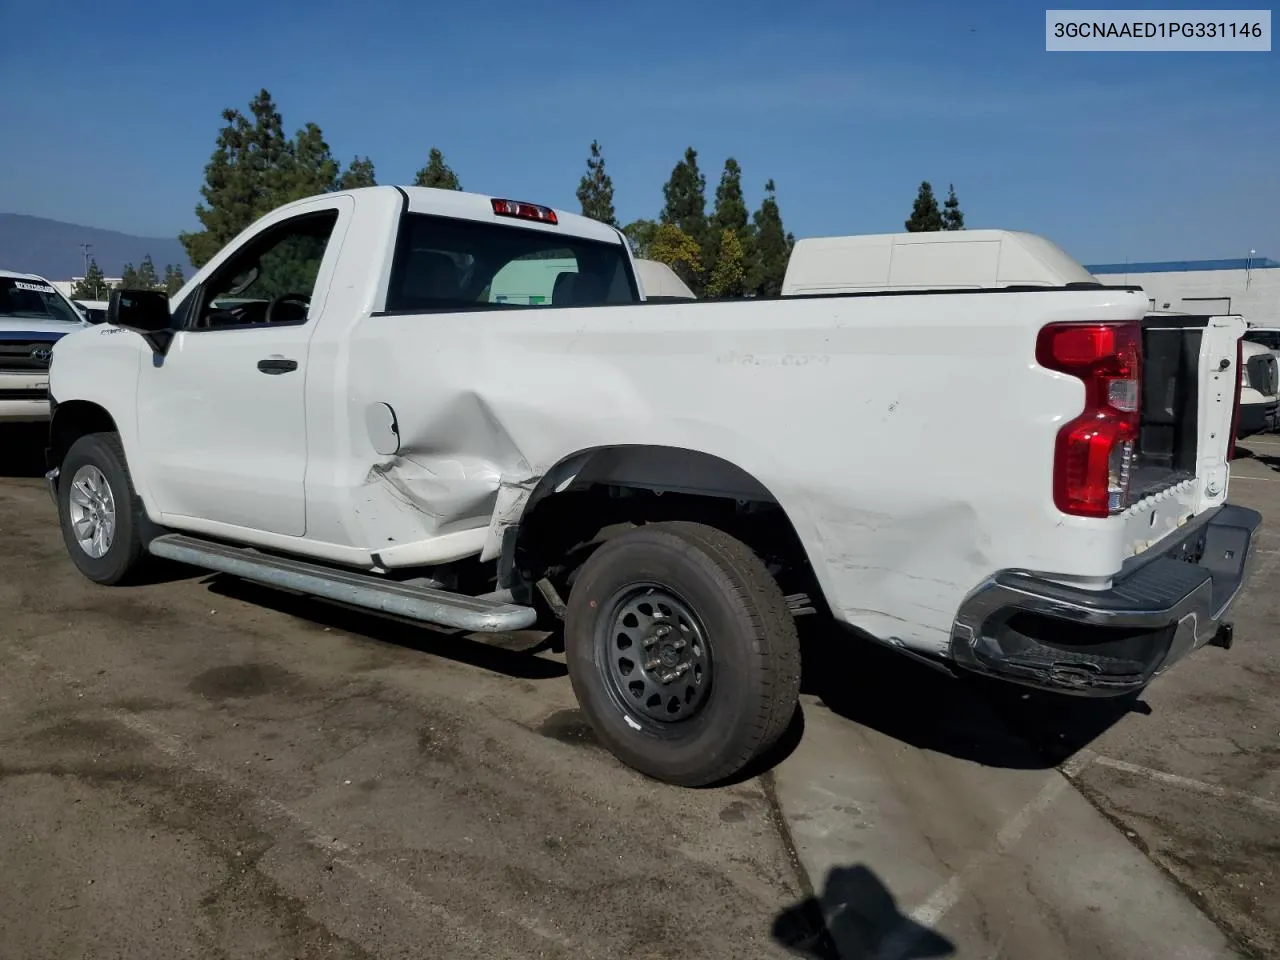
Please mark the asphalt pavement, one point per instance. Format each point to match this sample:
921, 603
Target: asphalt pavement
203, 768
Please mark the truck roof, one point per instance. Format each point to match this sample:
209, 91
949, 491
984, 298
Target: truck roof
478, 206
961, 259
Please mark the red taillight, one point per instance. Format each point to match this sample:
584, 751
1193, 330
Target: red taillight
1094, 453
1235, 407
525, 211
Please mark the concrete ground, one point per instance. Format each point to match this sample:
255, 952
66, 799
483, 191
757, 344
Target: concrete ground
202, 768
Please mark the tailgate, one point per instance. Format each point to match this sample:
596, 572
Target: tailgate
1190, 377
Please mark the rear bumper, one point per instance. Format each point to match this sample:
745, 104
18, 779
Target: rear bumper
1041, 633
1257, 418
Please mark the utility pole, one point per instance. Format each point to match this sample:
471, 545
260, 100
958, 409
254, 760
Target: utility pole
86, 247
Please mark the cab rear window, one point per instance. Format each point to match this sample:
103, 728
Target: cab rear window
445, 264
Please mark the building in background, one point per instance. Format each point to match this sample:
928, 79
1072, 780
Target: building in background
1249, 286
65, 287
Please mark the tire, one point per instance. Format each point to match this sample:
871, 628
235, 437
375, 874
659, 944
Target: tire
98, 459
740, 659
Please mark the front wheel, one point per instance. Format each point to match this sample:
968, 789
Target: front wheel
682, 652
100, 514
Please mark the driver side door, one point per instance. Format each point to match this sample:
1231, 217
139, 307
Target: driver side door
222, 416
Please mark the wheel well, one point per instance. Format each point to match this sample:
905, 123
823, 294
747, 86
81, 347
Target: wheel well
594, 495
73, 420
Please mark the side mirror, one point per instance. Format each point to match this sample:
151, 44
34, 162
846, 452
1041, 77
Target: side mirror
145, 312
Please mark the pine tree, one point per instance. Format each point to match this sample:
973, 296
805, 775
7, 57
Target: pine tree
952, 217
147, 279
129, 278
773, 247
730, 213
685, 201
93, 286
358, 174
241, 178
925, 215
308, 169
173, 279
595, 191
728, 276
436, 173
678, 250
641, 234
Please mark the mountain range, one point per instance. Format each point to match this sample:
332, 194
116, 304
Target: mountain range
52, 248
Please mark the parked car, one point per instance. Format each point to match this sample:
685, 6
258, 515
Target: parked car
660, 283
1259, 389
33, 317
95, 311
973, 477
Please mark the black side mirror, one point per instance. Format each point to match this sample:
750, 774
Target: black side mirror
145, 312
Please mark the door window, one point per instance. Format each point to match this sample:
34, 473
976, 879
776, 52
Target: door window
268, 281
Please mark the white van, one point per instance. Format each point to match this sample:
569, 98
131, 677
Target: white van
660, 283
945, 260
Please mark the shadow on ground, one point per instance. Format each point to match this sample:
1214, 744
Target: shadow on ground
1265, 459
855, 917
22, 449
989, 722
509, 654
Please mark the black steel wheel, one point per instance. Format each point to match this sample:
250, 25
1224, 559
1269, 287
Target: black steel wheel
656, 652
682, 652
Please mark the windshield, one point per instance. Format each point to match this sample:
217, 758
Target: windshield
34, 300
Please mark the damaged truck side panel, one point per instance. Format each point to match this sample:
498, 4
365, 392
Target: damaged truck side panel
378, 417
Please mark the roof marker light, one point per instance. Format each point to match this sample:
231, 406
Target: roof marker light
525, 211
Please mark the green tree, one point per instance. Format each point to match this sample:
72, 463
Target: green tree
358, 174
641, 234
595, 191
241, 178
173, 279
129, 279
730, 213
773, 247
678, 250
92, 286
925, 215
685, 204
147, 279
436, 173
307, 168
728, 276
952, 217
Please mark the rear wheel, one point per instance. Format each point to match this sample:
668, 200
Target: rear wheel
682, 652
101, 516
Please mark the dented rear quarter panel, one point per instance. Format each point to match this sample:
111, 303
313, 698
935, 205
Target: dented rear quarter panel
908, 438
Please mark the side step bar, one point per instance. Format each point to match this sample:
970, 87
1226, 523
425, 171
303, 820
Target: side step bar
425, 604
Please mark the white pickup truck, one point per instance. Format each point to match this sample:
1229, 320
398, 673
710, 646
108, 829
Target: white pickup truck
1026, 482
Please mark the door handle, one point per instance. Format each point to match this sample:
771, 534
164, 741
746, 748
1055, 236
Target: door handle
277, 365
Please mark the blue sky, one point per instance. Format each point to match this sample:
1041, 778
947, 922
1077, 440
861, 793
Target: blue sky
112, 111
